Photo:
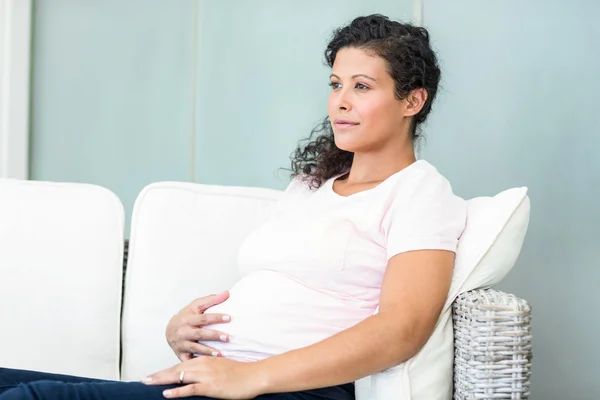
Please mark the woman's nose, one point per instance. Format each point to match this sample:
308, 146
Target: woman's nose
343, 102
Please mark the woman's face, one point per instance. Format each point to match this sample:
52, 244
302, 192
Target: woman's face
365, 115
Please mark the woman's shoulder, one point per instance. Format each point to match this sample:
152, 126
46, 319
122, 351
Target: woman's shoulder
423, 213
423, 186
420, 178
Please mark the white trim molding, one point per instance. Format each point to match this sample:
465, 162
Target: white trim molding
417, 10
15, 67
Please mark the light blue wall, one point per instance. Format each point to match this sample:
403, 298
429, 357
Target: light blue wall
112, 92
116, 102
519, 107
262, 83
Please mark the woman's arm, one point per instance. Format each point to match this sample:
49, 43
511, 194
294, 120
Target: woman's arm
414, 290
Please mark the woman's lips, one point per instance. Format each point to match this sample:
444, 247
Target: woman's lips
343, 124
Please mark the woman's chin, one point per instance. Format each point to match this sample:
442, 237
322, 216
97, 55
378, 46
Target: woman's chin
346, 143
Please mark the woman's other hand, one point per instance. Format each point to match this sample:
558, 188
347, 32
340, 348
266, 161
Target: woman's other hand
219, 378
186, 328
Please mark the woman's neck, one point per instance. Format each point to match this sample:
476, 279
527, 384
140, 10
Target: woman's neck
377, 167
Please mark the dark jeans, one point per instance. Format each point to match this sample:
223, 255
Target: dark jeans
29, 385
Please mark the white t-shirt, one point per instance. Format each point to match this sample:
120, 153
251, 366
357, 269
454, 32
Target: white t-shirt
316, 267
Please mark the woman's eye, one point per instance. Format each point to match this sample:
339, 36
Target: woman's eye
335, 85
360, 86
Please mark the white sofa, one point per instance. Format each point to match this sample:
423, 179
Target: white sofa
61, 252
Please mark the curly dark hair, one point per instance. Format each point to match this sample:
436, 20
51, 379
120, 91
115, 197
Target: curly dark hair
411, 63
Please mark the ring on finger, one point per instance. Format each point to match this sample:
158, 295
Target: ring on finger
181, 376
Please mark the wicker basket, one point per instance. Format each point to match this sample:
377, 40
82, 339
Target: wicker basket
492, 346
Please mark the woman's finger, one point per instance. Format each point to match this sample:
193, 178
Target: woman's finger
174, 375
195, 334
164, 377
207, 319
204, 303
196, 389
201, 349
184, 357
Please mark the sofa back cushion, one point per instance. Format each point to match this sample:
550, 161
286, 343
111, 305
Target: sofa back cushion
183, 245
61, 265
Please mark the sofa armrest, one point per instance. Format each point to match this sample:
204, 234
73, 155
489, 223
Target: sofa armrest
493, 350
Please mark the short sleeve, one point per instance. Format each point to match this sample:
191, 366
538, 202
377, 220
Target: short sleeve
428, 216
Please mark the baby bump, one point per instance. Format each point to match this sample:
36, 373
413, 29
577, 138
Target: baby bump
272, 313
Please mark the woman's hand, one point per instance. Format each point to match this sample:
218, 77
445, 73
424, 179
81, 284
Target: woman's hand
186, 328
220, 378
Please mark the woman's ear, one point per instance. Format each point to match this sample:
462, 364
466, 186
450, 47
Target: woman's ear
415, 101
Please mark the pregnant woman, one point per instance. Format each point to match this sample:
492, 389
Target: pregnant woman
349, 275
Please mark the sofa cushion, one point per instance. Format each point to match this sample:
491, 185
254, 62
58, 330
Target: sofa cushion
61, 247
183, 245
492, 240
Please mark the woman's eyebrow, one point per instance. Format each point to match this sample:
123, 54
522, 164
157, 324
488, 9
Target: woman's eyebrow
354, 77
